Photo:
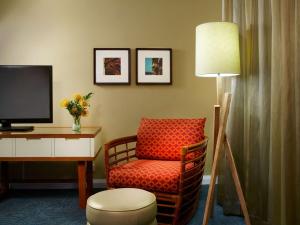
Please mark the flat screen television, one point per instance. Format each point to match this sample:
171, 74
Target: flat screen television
25, 96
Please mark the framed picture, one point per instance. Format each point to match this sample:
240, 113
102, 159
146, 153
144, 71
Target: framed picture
154, 66
111, 66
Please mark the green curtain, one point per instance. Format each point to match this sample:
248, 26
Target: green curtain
264, 121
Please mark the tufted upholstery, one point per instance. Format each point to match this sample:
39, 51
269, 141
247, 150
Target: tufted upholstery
163, 139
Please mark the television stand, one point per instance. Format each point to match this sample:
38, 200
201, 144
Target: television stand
52, 144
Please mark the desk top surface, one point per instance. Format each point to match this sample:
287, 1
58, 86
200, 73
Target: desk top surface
53, 132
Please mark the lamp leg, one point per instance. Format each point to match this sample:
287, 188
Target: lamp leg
216, 126
216, 131
237, 183
219, 145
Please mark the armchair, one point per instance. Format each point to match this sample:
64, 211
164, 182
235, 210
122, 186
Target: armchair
166, 157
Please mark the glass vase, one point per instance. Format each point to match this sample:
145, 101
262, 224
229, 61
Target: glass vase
76, 124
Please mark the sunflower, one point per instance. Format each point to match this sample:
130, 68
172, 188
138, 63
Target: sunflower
64, 103
77, 97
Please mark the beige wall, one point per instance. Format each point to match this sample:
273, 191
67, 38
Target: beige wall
63, 33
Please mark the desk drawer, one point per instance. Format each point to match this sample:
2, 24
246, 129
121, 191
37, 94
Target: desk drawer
34, 147
7, 147
72, 147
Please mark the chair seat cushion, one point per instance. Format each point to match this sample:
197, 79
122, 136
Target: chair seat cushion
163, 139
151, 175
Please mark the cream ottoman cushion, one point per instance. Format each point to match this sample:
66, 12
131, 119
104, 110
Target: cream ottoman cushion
123, 206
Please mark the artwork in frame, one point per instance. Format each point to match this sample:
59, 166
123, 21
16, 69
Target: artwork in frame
111, 66
154, 66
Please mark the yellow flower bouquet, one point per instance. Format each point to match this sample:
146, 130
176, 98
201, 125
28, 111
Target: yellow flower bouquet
77, 107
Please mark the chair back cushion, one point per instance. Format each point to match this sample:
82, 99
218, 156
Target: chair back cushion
163, 139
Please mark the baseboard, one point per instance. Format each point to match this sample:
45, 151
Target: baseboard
98, 183
206, 180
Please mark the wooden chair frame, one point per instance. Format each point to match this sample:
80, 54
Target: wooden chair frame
175, 209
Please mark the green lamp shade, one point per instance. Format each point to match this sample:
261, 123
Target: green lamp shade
217, 49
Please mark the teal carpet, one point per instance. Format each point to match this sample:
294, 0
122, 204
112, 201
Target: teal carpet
60, 207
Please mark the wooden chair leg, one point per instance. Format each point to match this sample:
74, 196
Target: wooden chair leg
237, 183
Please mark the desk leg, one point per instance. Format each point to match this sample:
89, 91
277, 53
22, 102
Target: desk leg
89, 178
82, 183
4, 178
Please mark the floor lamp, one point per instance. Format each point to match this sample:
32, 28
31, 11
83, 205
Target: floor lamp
217, 55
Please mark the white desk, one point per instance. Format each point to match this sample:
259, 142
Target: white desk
53, 144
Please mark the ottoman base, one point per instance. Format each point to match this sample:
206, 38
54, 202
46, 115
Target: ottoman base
154, 222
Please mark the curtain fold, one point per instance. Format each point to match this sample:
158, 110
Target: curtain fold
264, 121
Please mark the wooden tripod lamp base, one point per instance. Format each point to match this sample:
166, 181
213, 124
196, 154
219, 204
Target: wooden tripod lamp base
221, 140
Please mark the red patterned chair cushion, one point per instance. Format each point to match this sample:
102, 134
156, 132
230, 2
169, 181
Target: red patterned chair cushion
151, 175
163, 139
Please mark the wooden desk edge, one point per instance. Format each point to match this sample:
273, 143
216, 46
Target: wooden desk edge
69, 135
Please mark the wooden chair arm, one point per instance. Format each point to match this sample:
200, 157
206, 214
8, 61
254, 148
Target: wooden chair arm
192, 168
202, 145
113, 158
120, 141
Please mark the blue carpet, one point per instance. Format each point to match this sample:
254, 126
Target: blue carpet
60, 207
218, 217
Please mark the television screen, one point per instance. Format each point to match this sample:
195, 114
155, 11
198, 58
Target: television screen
26, 94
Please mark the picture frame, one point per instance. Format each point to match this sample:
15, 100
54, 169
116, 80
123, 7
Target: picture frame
112, 66
154, 66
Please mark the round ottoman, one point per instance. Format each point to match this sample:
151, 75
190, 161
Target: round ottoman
123, 206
